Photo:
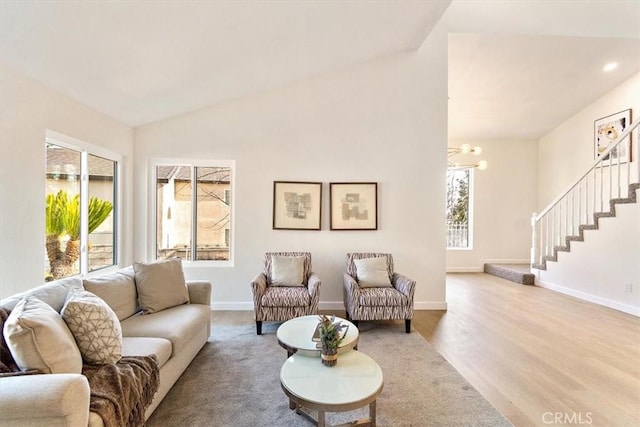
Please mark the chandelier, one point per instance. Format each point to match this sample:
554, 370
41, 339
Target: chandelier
465, 149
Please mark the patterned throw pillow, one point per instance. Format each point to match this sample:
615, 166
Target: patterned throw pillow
94, 326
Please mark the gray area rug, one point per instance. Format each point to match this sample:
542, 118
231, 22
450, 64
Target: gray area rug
234, 381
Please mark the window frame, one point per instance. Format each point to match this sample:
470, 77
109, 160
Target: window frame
470, 214
153, 163
86, 149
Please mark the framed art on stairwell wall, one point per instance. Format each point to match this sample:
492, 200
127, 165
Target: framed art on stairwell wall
606, 131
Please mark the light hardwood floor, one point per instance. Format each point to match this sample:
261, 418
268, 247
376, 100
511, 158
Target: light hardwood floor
540, 357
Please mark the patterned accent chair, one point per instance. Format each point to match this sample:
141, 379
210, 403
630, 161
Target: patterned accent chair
279, 303
378, 303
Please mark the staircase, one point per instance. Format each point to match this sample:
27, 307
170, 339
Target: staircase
609, 181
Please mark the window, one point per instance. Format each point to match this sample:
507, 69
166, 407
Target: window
80, 207
459, 212
193, 211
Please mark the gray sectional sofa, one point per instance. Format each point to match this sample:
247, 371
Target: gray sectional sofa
174, 335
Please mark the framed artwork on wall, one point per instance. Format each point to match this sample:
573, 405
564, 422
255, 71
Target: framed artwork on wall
297, 205
606, 131
354, 205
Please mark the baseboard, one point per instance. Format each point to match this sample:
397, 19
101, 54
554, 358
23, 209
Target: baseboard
232, 306
331, 305
429, 305
635, 311
465, 270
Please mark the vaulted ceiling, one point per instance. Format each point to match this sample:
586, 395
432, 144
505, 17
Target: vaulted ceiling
516, 69
142, 61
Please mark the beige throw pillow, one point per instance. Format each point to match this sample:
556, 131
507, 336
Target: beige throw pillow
39, 339
160, 285
94, 326
118, 290
287, 270
372, 272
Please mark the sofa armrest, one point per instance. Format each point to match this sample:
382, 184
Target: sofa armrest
259, 285
313, 286
403, 284
40, 400
350, 293
350, 284
199, 292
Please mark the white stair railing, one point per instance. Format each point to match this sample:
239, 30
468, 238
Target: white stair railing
589, 198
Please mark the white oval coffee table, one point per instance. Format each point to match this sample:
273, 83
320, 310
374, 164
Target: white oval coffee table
295, 336
355, 381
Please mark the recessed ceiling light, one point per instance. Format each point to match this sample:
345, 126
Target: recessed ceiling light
610, 66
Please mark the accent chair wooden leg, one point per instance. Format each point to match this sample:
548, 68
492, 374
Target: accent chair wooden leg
355, 323
259, 327
407, 325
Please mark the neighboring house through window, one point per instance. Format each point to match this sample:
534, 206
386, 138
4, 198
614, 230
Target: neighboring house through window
459, 208
193, 210
80, 207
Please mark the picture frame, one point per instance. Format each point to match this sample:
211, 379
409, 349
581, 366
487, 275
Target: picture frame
297, 205
354, 205
608, 129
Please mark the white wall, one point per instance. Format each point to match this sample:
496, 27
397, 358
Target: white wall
383, 121
28, 109
566, 152
598, 268
504, 197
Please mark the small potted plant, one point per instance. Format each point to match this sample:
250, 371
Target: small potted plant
330, 339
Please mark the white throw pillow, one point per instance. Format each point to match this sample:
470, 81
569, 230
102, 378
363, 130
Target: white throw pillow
287, 270
94, 326
160, 285
372, 272
39, 339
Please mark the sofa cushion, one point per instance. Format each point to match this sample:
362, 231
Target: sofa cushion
177, 324
145, 346
287, 271
94, 326
118, 290
160, 285
286, 297
53, 293
372, 272
39, 339
381, 297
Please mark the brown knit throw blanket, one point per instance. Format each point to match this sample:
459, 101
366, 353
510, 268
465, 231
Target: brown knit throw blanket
121, 392
7, 364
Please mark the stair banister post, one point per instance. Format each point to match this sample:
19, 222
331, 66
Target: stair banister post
534, 242
637, 157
